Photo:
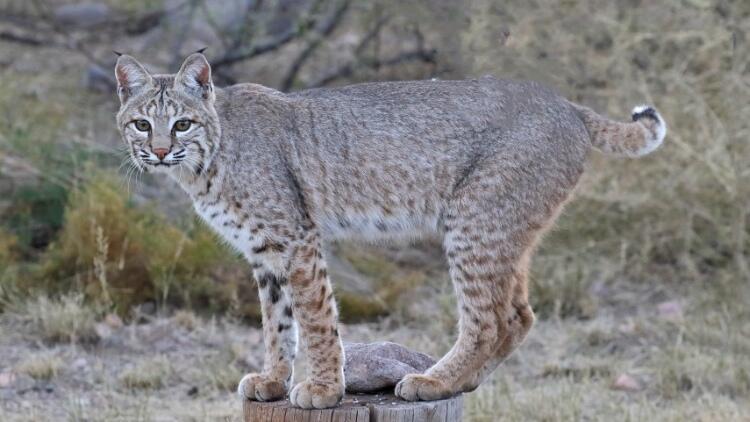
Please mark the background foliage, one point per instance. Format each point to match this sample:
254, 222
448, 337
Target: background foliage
673, 227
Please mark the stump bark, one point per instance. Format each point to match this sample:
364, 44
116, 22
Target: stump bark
383, 407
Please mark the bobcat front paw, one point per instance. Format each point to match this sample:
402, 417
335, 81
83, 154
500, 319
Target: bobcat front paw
415, 387
311, 395
260, 387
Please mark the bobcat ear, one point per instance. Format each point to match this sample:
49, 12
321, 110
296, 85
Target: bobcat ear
131, 77
195, 76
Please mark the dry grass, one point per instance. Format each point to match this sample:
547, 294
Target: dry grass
185, 319
147, 374
66, 319
40, 366
219, 372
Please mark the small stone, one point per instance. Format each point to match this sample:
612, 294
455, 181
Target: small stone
7, 379
628, 327
103, 331
23, 383
79, 364
375, 366
113, 320
670, 310
626, 383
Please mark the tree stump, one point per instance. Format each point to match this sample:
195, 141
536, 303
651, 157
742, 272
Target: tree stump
384, 407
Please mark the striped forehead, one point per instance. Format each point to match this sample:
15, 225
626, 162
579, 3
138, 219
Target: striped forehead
162, 103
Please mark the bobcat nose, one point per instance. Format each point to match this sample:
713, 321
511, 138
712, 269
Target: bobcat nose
160, 152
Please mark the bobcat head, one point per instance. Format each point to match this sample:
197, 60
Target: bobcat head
168, 121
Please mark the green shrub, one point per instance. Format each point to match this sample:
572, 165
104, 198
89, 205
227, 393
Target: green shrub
122, 256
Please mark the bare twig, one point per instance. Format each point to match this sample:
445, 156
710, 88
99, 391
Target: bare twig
323, 30
418, 54
22, 39
233, 56
347, 70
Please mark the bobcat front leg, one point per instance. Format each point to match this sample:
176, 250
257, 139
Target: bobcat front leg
280, 339
315, 311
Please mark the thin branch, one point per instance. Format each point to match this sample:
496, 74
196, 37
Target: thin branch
419, 54
371, 34
21, 39
231, 57
324, 30
258, 49
347, 70
185, 26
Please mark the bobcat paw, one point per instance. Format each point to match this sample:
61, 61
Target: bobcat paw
311, 395
415, 387
261, 388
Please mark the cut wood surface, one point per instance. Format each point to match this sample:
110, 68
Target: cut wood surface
360, 408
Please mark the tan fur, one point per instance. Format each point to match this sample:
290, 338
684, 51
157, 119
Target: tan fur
487, 164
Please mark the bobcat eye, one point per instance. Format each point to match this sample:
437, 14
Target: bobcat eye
143, 125
182, 125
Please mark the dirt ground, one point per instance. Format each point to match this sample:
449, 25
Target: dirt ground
649, 353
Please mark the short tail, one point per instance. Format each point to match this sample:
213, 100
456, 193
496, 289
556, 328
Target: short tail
635, 139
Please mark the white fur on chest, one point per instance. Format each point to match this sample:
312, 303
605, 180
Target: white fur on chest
228, 225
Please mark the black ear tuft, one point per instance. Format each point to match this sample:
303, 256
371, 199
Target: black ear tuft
117, 53
201, 50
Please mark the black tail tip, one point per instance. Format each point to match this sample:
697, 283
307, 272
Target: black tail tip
647, 112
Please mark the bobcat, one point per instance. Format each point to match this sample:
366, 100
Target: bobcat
486, 164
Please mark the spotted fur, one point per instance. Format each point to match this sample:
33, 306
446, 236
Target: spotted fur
487, 164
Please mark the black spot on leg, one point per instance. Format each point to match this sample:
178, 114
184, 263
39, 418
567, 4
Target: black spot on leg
275, 292
288, 311
273, 283
283, 327
269, 246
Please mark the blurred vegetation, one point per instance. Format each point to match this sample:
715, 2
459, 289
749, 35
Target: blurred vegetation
123, 255
80, 239
679, 216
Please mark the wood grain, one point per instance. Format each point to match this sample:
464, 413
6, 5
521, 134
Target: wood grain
360, 408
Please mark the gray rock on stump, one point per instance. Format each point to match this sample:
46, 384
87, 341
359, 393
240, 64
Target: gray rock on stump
371, 367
